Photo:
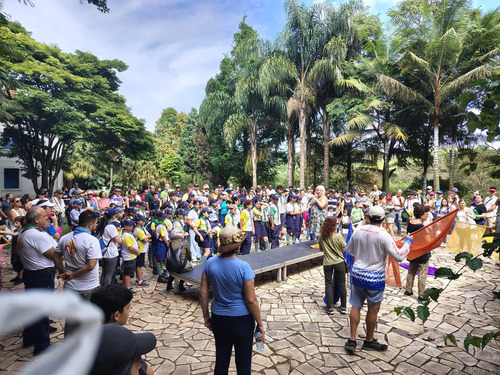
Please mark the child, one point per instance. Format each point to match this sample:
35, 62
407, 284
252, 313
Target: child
203, 230
143, 237
15, 259
331, 211
357, 215
260, 231
162, 238
130, 250
231, 219
345, 220
274, 221
291, 219
115, 301
246, 225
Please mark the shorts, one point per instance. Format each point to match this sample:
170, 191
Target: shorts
359, 295
140, 260
490, 222
389, 220
205, 244
161, 253
129, 267
154, 248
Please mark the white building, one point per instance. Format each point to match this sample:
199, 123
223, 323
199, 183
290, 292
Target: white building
11, 179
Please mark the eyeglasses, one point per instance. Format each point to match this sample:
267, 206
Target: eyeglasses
17, 201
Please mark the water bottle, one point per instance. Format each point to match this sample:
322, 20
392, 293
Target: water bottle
259, 344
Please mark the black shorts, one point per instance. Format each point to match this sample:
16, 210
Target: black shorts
15, 260
139, 261
129, 268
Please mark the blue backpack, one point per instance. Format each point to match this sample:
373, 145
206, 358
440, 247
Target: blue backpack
104, 245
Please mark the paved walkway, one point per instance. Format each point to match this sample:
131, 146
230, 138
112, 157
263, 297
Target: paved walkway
302, 339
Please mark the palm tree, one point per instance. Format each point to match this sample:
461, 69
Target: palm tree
435, 79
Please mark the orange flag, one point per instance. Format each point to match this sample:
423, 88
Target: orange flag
431, 236
425, 239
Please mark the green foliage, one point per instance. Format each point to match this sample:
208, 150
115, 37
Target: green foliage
450, 337
447, 273
65, 98
423, 313
408, 312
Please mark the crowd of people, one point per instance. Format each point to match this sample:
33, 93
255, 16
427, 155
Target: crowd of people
170, 230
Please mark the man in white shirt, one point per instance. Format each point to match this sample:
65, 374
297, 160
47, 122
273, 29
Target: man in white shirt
78, 252
36, 249
491, 209
370, 245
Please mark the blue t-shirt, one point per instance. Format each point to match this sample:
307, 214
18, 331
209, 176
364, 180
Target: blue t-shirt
51, 230
227, 276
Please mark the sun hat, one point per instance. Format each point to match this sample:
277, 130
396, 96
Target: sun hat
376, 213
230, 239
118, 347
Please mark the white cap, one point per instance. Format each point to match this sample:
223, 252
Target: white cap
376, 212
46, 204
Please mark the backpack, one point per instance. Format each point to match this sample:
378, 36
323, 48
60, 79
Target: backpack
174, 262
148, 227
104, 246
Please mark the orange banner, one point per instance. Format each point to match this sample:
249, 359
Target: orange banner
431, 236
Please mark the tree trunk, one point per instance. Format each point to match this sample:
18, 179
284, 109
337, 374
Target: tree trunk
349, 168
452, 156
302, 131
425, 160
308, 154
385, 168
326, 149
291, 154
253, 151
436, 153
113, 159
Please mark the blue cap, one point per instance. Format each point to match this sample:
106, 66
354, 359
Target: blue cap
116, 223
140, 217
255, 199
77, 201
133, 210
128, 221
180, 211
204, 209
213, 200
274, 197
191, 195
161, 214
142, 204
169, 211
110, 212
439, 192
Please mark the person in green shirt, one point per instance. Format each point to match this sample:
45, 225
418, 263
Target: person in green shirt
333, 246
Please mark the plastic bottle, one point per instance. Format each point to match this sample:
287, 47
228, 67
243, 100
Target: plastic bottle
259, 344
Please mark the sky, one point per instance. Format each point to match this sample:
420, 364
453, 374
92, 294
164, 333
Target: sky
172, 47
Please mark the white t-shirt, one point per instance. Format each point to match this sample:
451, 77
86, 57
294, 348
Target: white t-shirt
77, 249
128, 240
32, 244
488, 203
304, 202
193, 215
110, 232
371, 244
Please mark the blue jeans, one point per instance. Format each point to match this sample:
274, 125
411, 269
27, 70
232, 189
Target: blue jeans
193, 245
398, 219
38, 333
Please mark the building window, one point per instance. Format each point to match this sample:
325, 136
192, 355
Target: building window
11, 178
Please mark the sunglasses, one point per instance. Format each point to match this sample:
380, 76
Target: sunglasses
17, 201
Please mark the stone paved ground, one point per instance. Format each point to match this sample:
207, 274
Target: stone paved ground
301, 339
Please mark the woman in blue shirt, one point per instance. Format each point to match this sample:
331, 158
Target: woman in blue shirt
235, 308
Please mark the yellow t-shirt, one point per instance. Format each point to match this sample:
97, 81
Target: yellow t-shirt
128, 240
139, 233
246, 216
230, 221
162, 232
203, 224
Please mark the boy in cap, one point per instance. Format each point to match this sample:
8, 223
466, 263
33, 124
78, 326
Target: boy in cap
75, 213
142, 237
130, 250
162, 238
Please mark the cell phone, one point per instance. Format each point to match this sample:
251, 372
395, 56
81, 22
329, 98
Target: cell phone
50, 214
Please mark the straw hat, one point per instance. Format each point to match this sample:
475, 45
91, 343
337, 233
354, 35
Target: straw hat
230, 239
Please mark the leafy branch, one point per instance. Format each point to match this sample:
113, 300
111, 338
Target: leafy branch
473, 263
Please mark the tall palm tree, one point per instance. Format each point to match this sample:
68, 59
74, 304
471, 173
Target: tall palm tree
435, 79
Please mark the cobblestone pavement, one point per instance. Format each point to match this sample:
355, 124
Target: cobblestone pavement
302, 339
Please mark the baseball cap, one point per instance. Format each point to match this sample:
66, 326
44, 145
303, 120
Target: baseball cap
439, 192
213, 200
455, 190
110, 212
206, 186
42, 191
133, 210
77, 201
140, 217
376, 212
429, 187
412, 192
118, 346
388, 197
191, 194
58, 191
204, 209
432, 193
492, 188
128, 221
274, 197
161, 214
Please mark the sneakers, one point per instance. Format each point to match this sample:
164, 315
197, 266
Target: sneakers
374, 345
342, 310
328, 310
350, 346
142, 283
163, 279
422, 299
408, 293
18, 281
